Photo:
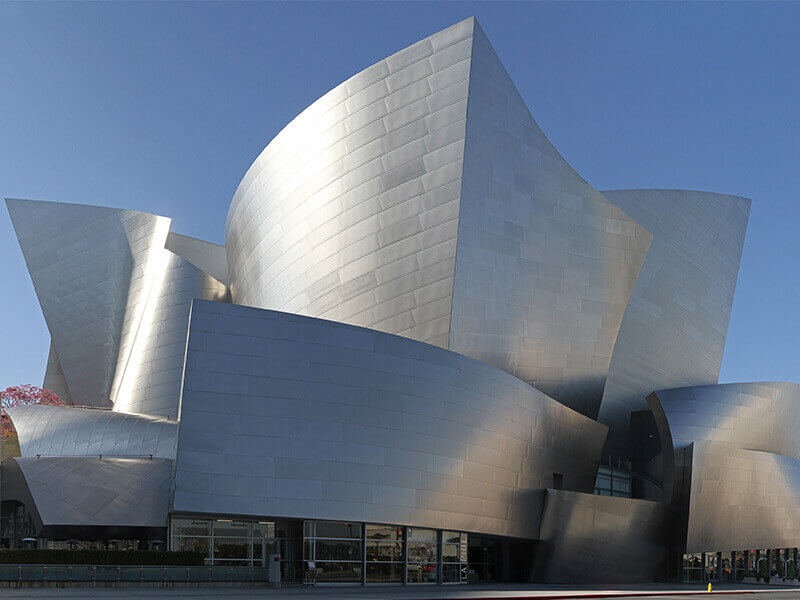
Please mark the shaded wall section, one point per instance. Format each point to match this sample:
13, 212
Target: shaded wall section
587, 538
545, 263
674, 329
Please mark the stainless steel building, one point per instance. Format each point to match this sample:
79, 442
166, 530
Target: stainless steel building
429, 352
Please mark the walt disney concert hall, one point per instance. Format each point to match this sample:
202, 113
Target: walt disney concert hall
428, 352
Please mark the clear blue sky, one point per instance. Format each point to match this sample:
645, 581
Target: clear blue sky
163, 107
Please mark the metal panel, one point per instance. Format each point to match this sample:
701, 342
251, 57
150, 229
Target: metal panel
151, 383
730, 461
674, 329
91, 269
54, 377
742, 499
299, 417
67, 431
80, 492
206, 256
115, 300
601, 539
545, 263
351, 212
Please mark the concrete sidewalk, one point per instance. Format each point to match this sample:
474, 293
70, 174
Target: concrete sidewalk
391, 592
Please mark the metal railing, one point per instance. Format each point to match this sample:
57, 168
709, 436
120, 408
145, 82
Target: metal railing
132, 574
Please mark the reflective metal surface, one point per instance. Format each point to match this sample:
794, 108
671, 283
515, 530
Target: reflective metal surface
674, 329
353, 211
209, 258
54, 377
69, 495
742, 499
545, 263
115, 300
730, 462
300, 417
67, 431
90, 270
600, 539
152, 378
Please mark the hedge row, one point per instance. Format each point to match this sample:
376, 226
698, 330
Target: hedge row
35, 556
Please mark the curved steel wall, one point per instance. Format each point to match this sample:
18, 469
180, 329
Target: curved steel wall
674, 328
754, 416
291, 416
54, 379
115, 300
91, 268
545, 263
151, 383
352, 213
73, 496
587, 538
66, 431
730, 460
742, 499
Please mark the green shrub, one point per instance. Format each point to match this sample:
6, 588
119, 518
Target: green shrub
35, 556
792, 571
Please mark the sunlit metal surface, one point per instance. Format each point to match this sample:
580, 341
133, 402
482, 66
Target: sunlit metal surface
115, 300
89, 267
152, 380
674, 329
353, 211
67, 431
295, 416
601, 539
209, 258
68, 496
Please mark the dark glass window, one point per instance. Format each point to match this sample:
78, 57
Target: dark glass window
191, 527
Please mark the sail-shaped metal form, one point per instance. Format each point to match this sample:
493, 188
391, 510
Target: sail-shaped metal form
115, 300
420, 198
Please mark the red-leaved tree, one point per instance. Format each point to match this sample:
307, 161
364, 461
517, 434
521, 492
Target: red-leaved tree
19, 395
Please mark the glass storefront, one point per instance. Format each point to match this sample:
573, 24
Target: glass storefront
240, 542
336, 548
342, 552
385, 553
761, 563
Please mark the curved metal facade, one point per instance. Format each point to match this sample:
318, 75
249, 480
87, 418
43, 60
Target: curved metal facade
123, 497
674, 329
730, 459
91, 269
67, 431
115, 300
545, 263
294, 416
353, 212
493, 316
152, 380
742, 499
600, 539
